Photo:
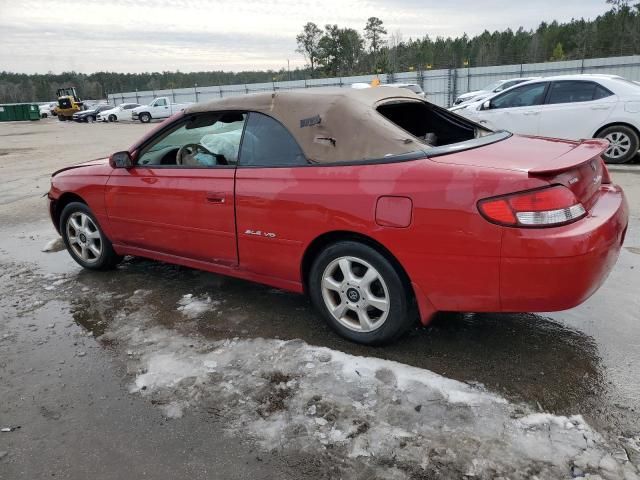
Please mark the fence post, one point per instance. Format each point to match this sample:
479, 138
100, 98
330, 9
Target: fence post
137, 96
220, 90
195, 91
582, 66
173, 95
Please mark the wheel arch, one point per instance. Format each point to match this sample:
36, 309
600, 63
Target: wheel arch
58, 206
613, 124
420, 300
322, 241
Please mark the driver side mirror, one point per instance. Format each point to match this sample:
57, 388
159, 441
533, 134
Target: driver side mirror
121, 160
486, 105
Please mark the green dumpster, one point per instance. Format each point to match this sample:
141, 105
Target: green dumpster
15, 112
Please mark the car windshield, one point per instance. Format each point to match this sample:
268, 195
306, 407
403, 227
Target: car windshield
413, 88
492, 86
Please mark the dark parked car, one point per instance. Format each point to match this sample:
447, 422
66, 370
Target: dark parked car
91, 114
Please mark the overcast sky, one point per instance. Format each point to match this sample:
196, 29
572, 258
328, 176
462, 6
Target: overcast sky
192, 35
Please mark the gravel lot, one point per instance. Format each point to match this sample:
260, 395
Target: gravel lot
160, 371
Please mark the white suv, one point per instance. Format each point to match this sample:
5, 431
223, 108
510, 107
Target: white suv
568, 106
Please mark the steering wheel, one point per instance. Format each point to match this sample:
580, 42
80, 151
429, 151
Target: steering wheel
186, 154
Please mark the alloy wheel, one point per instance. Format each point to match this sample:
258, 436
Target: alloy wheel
619, 145
355, 294
84, 237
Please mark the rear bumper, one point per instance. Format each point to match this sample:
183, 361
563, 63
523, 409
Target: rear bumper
550, 269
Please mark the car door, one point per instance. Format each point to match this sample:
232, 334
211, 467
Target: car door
574, 109
178, 198
516, 110
268, 188
161, 108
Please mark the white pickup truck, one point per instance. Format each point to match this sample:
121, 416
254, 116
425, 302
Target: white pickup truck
160, 107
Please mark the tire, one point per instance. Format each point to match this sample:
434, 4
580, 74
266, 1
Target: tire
44, 115
145, 117
624, 143
85, 241
112, 118
90, 119
61, 118
374, 279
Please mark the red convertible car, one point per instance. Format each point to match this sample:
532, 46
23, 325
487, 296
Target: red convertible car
378, 204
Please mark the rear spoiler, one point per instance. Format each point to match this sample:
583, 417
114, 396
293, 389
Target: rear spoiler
583, 152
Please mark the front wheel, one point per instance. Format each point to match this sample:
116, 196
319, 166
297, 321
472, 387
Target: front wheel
360, 293
112, 118
145, 117
85, 241
623, 143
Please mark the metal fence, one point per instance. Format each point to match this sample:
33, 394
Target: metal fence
441, 86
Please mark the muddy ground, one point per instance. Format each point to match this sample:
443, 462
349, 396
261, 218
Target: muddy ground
159, 371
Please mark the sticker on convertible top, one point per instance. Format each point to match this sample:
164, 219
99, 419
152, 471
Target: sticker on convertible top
309, 122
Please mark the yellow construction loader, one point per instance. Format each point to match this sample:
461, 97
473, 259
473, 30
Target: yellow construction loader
68, 103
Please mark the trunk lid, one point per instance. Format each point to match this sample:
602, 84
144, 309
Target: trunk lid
582, 170
576, 165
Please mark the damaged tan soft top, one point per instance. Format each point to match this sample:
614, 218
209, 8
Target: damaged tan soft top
330, 124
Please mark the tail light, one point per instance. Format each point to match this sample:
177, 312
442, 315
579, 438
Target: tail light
549, 206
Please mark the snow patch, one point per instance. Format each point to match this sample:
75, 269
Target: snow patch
293, 397
194, 307
55, 245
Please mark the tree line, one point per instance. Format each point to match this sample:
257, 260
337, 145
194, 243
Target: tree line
340, 51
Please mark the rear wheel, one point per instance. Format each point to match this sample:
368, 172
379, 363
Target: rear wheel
90, 119
145, 117
61, 118
85, 241
623, 143
360, 293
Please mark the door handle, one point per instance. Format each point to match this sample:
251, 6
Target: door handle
215, 197
600, 107
531, 113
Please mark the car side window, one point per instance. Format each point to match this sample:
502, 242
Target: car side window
572, 91
525, 96
207, 140
601, 92
161, 103
267, 143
